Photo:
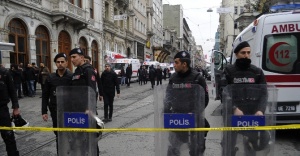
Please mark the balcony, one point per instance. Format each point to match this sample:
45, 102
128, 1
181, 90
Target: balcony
64, 11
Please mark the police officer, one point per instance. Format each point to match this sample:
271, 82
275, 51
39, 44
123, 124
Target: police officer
8, 92
84, 74
185, 74
62, 77
87, 59
243, 72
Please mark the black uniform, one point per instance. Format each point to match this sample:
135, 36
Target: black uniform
189, 77
110, 85
252, 75
49, 92
85, 76
7, 92
239, 76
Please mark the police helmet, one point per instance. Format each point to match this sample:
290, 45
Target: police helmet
99, 125
19, 121
257, 140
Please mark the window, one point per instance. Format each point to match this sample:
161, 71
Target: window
116, 13
116, 47
106, 13
235, 10
92, 9
83, 45
95, 56
241, 9
121, 22
42, 46
76, 2
281, 53
235, 25
18, 35
128, 23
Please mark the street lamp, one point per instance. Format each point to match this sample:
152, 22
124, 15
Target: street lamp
209, 10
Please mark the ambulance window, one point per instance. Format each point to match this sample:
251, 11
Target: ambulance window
281, 53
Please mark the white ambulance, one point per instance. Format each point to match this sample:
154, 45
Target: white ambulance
275, 48
135, 64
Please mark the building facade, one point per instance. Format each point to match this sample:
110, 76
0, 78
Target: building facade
118, 36
42, 28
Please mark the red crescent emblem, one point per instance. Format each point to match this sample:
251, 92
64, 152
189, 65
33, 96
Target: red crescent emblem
272, 54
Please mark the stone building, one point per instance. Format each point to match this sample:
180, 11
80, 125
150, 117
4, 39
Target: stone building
42, 28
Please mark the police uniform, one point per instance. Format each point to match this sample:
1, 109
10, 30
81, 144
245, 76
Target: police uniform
49, 92
85, 74
7, 92
175, 138
240, 73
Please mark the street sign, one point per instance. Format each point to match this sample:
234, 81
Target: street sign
120, 17
247, 121
173, 120
225, 10
76, 120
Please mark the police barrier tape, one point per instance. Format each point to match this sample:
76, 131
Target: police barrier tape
48, 129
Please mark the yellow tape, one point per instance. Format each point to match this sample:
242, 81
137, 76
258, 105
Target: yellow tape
47, 129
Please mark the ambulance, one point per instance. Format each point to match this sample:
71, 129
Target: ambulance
275, 48
135, 64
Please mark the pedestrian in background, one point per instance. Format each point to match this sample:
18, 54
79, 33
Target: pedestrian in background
62, 77
30, 79
145, 73
110, 85
140, 75
123, 76
43, 74
36, 74
8, 92
165, 73
128, 74
16, 74
159, 75
24, 82
152, 75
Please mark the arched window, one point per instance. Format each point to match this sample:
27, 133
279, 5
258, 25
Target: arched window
95, 56
83, 45
18, 35
42, 43
64, 45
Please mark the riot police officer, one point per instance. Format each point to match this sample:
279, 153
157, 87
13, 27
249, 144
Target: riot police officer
84, 74
185, 75
62, 77
243, 72
8, 92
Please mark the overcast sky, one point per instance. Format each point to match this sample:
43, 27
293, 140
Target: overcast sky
203, 24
